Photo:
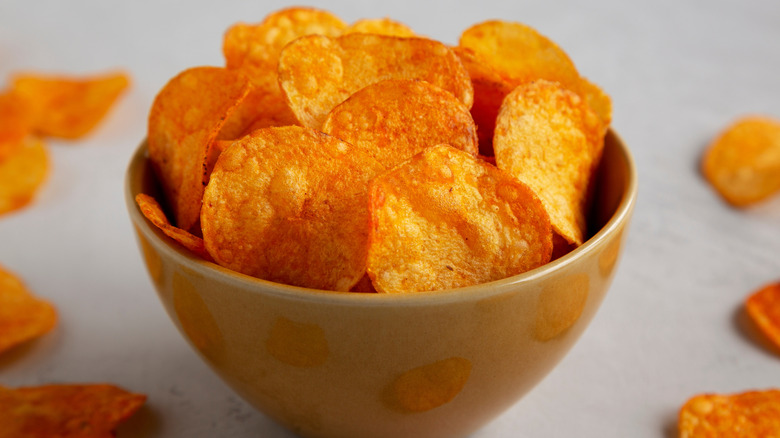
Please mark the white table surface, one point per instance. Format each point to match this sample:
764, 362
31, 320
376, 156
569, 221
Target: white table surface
671, 326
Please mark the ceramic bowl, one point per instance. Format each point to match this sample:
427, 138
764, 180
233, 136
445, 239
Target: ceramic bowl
433, 364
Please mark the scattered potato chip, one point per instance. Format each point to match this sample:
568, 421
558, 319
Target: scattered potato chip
65, 411
520, 53
16, 118
380, 26
549, 138
445, 219
289, 205
490, 89
185, 119
395, 119
152, 211
69, 107
22, 173
764, 309
23, 317
743, 163
747, 415
317, 73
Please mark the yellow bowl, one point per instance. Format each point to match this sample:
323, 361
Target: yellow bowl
433, 364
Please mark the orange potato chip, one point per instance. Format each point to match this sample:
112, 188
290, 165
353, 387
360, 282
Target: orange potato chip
317, 73
380, 26
16, 119
520, 53
262, 108
289, 205
750, 414
69, 107
185, 119
743, 163
22, 173
445, 219
22, 316
490, 89
152, 211
395, 119
54, 411
764, 309
598, 100
549, 138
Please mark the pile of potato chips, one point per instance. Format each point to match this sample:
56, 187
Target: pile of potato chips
366, 158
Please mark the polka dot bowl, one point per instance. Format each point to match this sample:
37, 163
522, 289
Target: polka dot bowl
433, 364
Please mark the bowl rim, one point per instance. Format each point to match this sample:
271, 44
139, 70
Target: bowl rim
475, 292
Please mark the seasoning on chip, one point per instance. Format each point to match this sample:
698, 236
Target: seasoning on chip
69, 106
78, 411
764, 309
395, 119
185, 119
289, 205
151, 210
445, 219
743, 163
550, 139
16, 118
22, 173
317, 73
380, 26
23, 317
750, 414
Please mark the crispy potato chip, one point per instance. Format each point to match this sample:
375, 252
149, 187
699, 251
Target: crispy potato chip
69, 107
747, 415
22, 316
65, 411
445, 219
764, 309
22, 173
395, 119
317, 73
185, 118
380, 26
152, 211
260, 44
598, 100
260, 109
16, 119
289, 205
520, 53
549, 138
490, 89
743, 163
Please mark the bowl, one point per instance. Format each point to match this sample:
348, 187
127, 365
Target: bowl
432, 364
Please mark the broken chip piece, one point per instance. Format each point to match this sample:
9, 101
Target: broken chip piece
23, 317
764, 309
750, 414
743, 163
446, 219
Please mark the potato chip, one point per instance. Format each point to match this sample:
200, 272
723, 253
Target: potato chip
395, 119
598, 100
260, 44
289, 205
260, 109
317, 73
743, 163
520, 53
380, 26
152, 211
445, 219
750, 414
69, 107
549, 138
16, 119
65, 411
764, 309
185, 118
490, 89
22, 174
22, 316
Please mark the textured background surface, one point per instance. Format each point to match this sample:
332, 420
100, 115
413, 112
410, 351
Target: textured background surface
672, 325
